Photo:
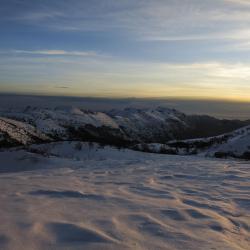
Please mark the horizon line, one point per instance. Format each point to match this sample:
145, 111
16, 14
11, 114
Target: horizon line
176, 98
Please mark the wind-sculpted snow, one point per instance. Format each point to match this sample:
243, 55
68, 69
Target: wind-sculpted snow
75, 195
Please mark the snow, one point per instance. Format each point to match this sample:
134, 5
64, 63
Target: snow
238, 142
54, 121
74, 195
21, 132
137, 123
158, 125
128, 125
235, 144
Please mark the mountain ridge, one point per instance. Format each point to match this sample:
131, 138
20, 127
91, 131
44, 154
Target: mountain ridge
123, 128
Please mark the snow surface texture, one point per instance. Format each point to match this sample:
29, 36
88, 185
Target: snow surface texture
75, 195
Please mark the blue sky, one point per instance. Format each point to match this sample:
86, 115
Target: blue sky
144, 48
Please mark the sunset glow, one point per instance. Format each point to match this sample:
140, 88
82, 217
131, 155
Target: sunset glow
183, 49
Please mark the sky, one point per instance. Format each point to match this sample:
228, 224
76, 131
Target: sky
192, 49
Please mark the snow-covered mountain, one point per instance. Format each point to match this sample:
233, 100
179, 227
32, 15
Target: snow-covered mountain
139, 124
14, 132
150, 125
124, 128
235, 144
136, 125
68, 123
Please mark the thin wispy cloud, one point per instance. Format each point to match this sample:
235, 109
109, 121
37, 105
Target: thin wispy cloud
39, 16
240, 47
172, 45
231, 35
112, 74
62, 87
239, 2
140, 16
57, 53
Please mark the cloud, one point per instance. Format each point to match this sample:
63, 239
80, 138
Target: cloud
153, 20
62, 87
40, 16
235, 47
57, 53
230, 35
138, 34
239, 2
127, 78
140, 21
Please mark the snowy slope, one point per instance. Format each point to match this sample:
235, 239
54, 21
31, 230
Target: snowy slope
234, 144
145, 125
117, 127
64, 123
137, 124
94, 198
55, 120
150, 124
20, 132
237, 144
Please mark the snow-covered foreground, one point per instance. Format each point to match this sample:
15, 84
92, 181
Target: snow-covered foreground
72, 196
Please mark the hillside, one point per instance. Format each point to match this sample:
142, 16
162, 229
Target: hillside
235, 144
121, 127
14, 133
